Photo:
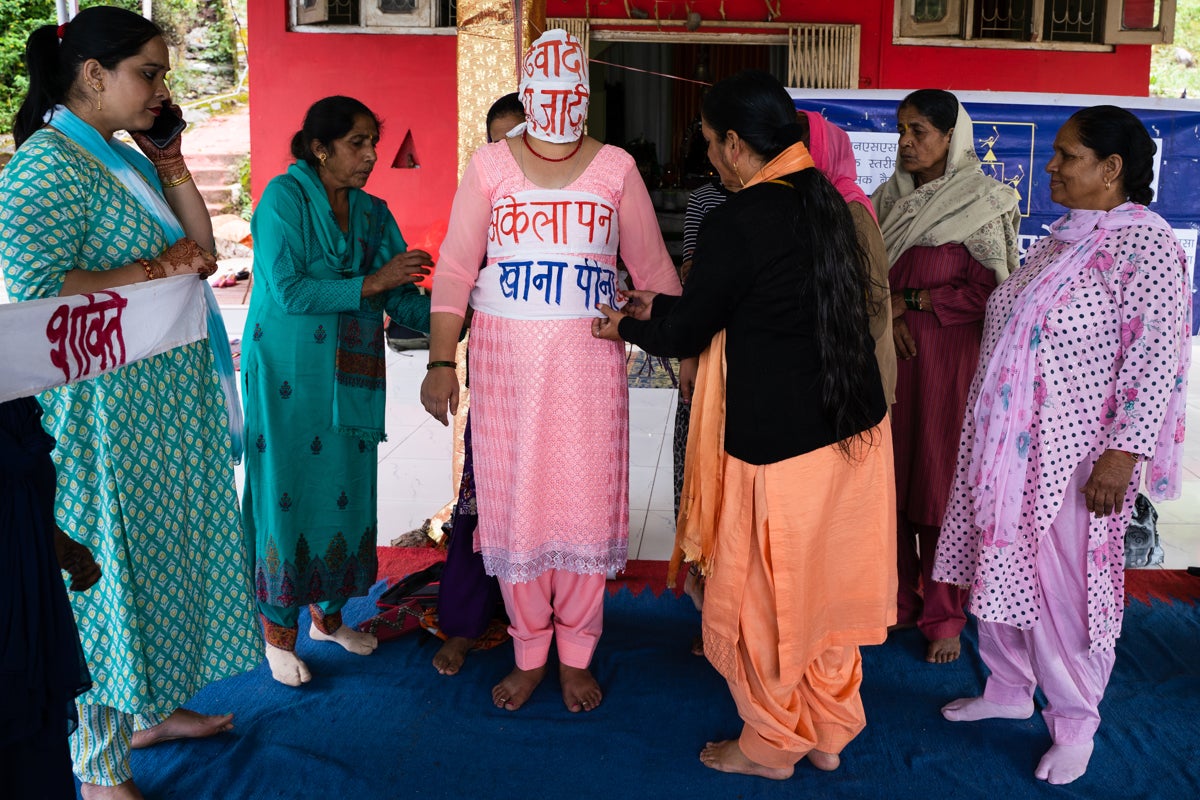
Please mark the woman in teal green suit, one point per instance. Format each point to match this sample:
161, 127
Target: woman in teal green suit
328, 261
144, 453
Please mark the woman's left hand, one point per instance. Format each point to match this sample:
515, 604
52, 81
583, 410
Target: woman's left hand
165, 159
607, 328
638, 302
1104, 492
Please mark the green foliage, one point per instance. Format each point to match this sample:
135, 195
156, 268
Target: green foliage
1168, 77
19, 18
243, 204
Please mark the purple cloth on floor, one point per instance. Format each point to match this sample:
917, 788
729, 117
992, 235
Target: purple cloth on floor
468, 597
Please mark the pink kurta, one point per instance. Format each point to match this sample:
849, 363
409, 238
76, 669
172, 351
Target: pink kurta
1106, 366
931, 389
549, 403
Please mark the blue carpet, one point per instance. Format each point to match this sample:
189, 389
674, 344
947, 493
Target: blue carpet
388, 726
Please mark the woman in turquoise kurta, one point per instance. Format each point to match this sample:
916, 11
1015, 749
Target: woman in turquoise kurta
329, 259
144, 453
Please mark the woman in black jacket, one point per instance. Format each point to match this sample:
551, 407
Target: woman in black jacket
788, 505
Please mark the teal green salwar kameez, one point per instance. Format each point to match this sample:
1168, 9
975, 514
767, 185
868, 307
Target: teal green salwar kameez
312, 372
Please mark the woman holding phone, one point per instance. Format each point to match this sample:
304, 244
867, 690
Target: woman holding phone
144, 453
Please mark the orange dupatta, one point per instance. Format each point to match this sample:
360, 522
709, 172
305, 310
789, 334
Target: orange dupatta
703, 465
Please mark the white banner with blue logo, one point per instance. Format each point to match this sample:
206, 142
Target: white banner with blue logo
1014, 137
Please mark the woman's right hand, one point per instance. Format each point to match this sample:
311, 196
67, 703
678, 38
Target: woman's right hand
439, 391
898, 305
407, 267
185, 257
906, 346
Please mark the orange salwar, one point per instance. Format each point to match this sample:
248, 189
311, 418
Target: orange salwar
803, 572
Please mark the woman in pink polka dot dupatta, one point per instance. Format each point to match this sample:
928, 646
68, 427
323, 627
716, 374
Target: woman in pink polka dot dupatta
1082, 379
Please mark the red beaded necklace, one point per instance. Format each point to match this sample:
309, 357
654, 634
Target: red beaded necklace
578, 144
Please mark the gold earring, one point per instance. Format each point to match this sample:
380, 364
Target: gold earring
1107, 185
99, 87
321, 157
738, 172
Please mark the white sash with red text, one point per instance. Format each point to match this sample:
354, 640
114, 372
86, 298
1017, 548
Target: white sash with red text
551, 254
61, 340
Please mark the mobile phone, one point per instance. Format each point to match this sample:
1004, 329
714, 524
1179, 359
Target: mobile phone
167, 126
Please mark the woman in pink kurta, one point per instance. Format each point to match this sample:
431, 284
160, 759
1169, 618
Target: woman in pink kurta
951, 235
1082, 376
547, 212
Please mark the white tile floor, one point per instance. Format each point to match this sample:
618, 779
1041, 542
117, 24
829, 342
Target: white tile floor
415, 462
415, 465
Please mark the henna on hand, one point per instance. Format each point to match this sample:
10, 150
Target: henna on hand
186, 257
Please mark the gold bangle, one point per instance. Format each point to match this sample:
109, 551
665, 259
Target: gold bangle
145, 262
187, 176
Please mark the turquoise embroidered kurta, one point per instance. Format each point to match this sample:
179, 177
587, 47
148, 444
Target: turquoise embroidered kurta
145, 475
314, 412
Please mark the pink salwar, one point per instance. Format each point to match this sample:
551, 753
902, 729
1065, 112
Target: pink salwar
1053, 654
560, 605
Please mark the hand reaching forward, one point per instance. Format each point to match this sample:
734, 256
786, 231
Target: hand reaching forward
407, 267
638, 302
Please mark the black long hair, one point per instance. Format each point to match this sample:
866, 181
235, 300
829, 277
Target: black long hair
327, 119
106, 33
1108, 130
759, 109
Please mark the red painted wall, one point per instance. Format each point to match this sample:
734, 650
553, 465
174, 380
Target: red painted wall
409, 81
883, 65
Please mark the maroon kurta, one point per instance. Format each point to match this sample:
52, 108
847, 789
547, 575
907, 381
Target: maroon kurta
931, 389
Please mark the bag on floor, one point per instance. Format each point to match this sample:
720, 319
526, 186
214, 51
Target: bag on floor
1142, 547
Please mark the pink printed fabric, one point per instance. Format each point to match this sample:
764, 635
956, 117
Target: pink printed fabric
550, 431
549, 402
1086, 348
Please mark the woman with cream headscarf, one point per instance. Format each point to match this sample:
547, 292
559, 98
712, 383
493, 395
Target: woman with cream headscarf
951, 235
545, 212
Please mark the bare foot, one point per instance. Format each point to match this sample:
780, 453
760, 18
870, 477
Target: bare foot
1064, 763
357, 642
826, 762
943, 651
972, 709
449, 659
579, 689
122, 791
182, 724
727, 756
286, 667
512, 692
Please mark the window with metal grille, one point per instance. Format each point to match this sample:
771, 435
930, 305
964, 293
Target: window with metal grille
373, 16
1034, 23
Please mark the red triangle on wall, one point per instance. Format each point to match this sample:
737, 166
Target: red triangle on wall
406, 157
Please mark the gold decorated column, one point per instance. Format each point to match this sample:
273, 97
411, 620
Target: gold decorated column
492, 37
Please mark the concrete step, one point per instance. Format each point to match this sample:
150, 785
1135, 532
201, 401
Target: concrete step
223, 190
211, 160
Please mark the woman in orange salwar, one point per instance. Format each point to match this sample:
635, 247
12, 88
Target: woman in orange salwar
789, 515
